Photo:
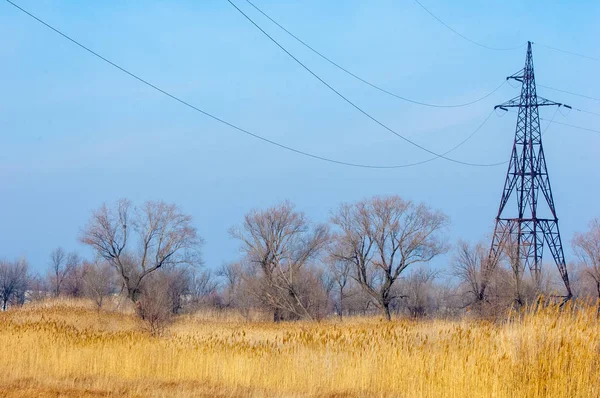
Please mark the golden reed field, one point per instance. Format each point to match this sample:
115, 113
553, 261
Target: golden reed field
69, 350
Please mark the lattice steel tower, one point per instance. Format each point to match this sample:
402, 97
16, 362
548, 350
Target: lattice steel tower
527, 176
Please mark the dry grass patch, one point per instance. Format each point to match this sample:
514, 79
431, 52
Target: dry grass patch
70, 350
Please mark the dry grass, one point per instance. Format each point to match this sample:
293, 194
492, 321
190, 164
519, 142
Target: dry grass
68, 350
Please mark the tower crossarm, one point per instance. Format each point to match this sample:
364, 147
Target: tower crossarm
537, 219
518, 103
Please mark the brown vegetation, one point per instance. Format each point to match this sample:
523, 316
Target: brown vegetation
69, 349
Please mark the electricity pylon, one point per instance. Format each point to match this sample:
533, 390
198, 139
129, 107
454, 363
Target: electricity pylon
524, 233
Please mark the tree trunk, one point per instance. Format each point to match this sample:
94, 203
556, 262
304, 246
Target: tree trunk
518, 298
133, 293
598, 288
386, 311
341, 302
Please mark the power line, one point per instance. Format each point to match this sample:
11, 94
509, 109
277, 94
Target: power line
588, 112
459, 145
463, 36
193, 107
575, 94
358, 108
576, 127
363, 80
564, 124
582, 111
498, 48
570, 93
568, 52
467, 139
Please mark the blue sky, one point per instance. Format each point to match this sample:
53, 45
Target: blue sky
76, 132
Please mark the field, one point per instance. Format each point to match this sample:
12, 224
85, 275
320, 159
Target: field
69, 350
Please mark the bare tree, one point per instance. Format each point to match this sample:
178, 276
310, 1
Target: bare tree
279, 243
154, 305
73, 284
314, 286
204, 286
185, 285
13, 282
99, 281
38, 288
528, 286
139, 241
418, 290
357, 300
231, 273
178, 285
327, 284
384, 236
469, 265
491, 290
511, 255
587, 248
60, 266
340, 274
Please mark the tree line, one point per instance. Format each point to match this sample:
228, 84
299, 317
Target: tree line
371, 256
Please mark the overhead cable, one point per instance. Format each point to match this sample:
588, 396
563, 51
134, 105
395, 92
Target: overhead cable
500, 48
570, 93
365, 81
576, 127
588, 112
564, 124
465, 37
358, 108
218, 119
568, 52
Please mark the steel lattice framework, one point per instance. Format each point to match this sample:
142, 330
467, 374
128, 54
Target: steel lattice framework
527, 176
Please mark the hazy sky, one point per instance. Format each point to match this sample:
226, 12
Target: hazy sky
77, 132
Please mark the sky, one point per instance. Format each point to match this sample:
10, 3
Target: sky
76, 133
